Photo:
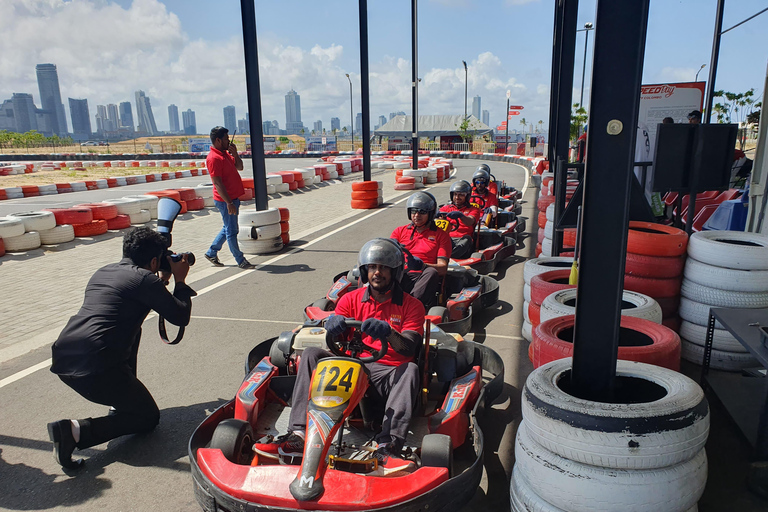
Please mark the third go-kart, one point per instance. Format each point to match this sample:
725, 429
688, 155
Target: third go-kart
444, 448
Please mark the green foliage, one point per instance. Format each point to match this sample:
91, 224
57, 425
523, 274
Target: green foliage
465, 131
31, 139
284, 140
578, 118
736, 108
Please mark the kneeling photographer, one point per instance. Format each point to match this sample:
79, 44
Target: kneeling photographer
96, 353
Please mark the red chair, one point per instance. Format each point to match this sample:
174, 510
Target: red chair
703, 216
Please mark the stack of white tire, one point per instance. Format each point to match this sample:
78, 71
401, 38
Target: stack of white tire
205, 190
259, 231
308, 175
275, 184
37, 228
147, 208
531, 269
577, 455
563, 303
725, 269
431, 176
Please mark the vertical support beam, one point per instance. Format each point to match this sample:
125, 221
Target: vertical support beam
554, 93
614, 103
564, 97
415, 83
713, 62
364, 90
253, 88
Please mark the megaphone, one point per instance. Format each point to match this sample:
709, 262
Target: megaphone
167, 211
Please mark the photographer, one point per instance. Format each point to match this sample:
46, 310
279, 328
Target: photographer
96, 352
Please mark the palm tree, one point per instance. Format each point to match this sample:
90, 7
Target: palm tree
524, 123
541, 125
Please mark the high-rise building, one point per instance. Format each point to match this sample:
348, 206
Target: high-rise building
50, 98
486, 118
359, 123
318, 128
126, 115
24, 112
188, 118
382, 121
144, 114
7, 120
398, 113
476, 107
113, 118
230, 120
173, 118
335, 124
242, 126
293, 124
102, 123
81, 119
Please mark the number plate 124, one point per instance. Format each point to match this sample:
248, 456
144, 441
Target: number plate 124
333, 382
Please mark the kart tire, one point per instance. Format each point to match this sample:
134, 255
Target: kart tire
437, 452
634, 304
57, 235
276, 356
659, 267
656, 239
725, 278
719, 359
126, 206
285, 214
721, 339
667, 427
723, 298
547, 283
523, 499
324, 304
439, 311
259, 218
71, 215
365, 185
538, 266
36, 221
731, 249
235, 440
23, 242
696, 312
653, 287
10, 227
527, 331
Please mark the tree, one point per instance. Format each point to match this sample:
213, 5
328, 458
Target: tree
302, 132
736, 108
465, 131
541, 125
578, 118
524, 123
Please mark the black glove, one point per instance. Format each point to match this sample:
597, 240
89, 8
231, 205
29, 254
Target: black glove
454, 215
336, 325
414, 263
376, 329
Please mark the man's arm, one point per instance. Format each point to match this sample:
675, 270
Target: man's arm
404, 343
238, 161
441, 266
221, 189
176, 308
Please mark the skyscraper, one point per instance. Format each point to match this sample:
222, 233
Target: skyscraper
50, 98
242, 126
486, 118
113, 119
335, 124
144, 113
173, 118
382, 121
359, 123
318, 129
24, 111
230, 120
476, 107
293, 124
126, 115
81, 119
102, 124
188, 118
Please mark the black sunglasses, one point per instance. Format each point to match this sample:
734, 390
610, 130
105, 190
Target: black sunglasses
420, 212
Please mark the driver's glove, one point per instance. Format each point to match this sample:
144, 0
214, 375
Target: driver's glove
376, 329
414, 263
336, 325
455, 215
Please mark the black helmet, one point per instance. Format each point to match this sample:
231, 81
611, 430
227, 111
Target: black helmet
461, 186
422, 201
381, 251
482, 173
485, 167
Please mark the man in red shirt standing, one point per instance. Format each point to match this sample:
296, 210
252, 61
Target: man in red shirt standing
466, 217
223, 163
429, 246
388, 314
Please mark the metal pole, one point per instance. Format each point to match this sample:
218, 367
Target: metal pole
506, 127
557, 43
617, 72
415, 83
366, 128
465, 88
253, 88
563, 102
587, 28
351, 113
713, 62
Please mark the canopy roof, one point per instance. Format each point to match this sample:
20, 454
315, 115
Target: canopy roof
430, 126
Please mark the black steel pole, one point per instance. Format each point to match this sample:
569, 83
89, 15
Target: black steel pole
584, 67
506, 128
617, 70
557, 43
415, 83
564, 97
713, 62
248, 13
465, 88
366, 128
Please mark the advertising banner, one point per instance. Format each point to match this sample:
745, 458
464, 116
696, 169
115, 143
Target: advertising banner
321, 143
199, 145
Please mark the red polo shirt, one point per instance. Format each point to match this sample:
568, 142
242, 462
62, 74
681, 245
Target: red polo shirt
463, 229
489, 198
222, 164
428, 245
401, 311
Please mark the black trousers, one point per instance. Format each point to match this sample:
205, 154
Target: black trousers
422, 286
462, 247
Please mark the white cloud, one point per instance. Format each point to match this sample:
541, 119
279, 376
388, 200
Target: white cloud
671, 74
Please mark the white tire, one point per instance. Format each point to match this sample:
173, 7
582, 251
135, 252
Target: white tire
271, 189
661, 432
274, 180
204, 190
125, 206
523, 499
36, 221
282, 188
261, 246
146, 202
546, 247
528, 331
696, 312
719, 360
549, 229
10, 227
270, 231
721, 338
142, 217
543, 264
723, 298
578, 487
57, 235
527, 292
258, 218
563, 302
208, 202
526, 317
726, 278
550, 214
730, 249
23, 242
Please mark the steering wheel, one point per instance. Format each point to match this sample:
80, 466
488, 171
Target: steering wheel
477, 200
354, 346
453, 224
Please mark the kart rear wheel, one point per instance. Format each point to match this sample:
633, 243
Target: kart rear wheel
436, 452
235, 440
439, 311
276, 356
324, 304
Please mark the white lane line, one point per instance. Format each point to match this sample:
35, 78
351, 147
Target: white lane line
244, 320
527, 179
515, 338
23, 373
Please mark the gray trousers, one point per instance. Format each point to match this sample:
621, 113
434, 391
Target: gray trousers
397, 384
462, 247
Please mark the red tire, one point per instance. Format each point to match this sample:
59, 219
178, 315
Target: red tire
405, 180
197, 203
365, 204
542, 218
364, 195
173, 194
97, 227
663, 267
286, 238
538, 250
543, 202
119, 222
640, 340
186, 193
656, 239
184, 208
248, 183
293, 185
100, 211
2, 247
405, 186
71, 215
547, 283
653, 287
534, 313
285, 214
288, 177
284, 227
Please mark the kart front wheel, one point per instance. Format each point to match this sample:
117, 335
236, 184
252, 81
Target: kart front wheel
437, 452
235, 440
324, 304
439, 311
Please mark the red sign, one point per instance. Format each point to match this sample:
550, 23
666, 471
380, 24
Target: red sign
515, 107
513, 113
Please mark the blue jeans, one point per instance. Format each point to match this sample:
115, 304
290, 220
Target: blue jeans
228, 232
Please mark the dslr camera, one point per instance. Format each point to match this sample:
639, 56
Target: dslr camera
167, 211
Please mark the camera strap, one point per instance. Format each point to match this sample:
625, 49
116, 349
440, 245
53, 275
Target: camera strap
164, 333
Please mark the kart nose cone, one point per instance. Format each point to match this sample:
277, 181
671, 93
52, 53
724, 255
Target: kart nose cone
306, 491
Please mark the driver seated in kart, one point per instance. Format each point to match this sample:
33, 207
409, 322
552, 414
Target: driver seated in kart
388, 314
466, 218
481, 194
429, 247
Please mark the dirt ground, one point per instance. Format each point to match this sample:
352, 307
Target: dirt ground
67, 175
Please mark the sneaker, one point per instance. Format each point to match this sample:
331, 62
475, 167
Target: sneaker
291, 448
246, 265
267, 447
64, 444
214, 261
389, 459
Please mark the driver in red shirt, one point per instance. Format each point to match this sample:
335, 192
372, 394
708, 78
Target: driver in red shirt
388, 314
465, 216
481, 194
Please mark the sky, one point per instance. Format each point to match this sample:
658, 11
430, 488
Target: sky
190, 53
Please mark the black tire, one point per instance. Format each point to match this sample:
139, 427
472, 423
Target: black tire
324, 304
439, 311
235, 440
276, 356
437, 452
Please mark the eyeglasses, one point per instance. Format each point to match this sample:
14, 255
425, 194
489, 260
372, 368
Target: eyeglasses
481, 180
419, 211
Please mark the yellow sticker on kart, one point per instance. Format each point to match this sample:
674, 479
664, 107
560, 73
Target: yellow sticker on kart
333, 382
442, 224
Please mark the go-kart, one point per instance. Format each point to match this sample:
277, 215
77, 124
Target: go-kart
338, 472
464, 290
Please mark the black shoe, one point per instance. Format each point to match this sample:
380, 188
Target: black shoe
214, 260
64, 444
246, 265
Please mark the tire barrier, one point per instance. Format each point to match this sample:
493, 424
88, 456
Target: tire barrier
24, 242
57, 235
11, 227
100, 211
532, 268
35, 221
563, 303
121, 221
644, 451
71, 215
260, 232
366, 195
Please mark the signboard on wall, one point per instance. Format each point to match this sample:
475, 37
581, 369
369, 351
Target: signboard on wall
199, 145
321, 143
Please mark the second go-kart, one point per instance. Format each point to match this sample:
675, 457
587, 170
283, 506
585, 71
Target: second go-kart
338, 472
